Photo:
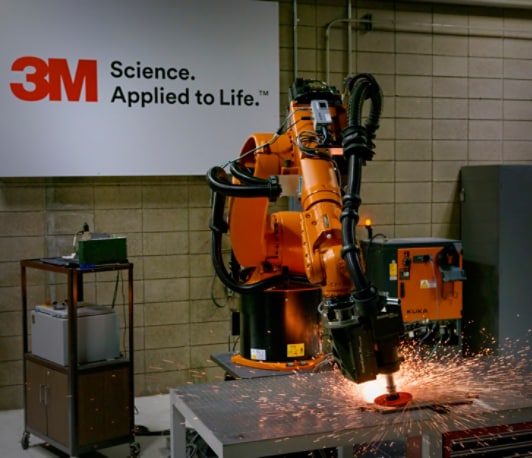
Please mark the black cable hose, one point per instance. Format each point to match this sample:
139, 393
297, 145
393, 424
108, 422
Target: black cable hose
227, 279
218, 225
218, 182
358, 147
241, 173
362, 87
358, 135
349, 218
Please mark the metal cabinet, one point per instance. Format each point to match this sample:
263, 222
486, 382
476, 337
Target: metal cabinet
496, 214
78, 407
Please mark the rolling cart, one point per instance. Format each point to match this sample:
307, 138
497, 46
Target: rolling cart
74, 405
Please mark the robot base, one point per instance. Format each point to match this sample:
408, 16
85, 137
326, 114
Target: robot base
289, 366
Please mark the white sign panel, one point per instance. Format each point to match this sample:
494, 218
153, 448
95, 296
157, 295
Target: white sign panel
134, 87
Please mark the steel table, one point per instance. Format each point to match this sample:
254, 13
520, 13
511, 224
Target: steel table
268, 416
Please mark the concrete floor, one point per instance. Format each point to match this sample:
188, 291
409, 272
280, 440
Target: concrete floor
153, 413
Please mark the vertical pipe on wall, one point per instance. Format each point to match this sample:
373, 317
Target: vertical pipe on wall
330, 25
349, 39
417, 27
295, 21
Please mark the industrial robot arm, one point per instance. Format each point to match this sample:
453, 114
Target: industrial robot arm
316, 157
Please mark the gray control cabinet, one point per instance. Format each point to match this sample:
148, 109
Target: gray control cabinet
496, 212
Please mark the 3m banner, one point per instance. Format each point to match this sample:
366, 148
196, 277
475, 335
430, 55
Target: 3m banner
134, 87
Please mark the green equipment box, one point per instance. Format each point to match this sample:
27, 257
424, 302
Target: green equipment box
107, 250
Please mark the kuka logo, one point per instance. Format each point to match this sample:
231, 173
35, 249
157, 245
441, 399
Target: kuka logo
48, 78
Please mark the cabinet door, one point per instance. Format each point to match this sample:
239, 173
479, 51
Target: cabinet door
35, 406
91, 403
104, 406
47, 402
117, 412
57, 402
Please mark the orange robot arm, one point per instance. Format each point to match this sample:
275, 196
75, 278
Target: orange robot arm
314, 245
304, 243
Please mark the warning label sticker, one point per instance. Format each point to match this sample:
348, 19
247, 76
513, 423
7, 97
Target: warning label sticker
258, 354
427, 284
392, 271
295, 350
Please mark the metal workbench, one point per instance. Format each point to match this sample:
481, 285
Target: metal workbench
268, 416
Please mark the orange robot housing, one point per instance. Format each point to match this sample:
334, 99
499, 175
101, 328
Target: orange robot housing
298, 251
293, 267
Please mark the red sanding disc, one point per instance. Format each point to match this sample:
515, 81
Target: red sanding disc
398, 400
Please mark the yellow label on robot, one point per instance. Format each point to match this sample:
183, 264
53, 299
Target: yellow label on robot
426, 284
295, 350
392, 270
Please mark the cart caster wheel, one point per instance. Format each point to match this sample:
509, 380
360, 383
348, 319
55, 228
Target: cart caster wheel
25, 441
134, 449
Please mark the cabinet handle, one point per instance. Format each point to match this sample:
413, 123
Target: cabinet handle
41, 393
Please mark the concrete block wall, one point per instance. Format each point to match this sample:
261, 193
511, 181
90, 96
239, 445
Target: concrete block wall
457, 84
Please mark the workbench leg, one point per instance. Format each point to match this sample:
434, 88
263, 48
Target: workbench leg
428, 445
178, 431
345, 451
432, 444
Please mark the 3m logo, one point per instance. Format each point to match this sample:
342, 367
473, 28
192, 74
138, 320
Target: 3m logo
48, 78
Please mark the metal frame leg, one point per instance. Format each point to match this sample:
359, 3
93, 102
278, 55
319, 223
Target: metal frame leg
178, 431
345, 451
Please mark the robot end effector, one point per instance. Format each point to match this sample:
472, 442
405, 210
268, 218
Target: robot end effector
365, 337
